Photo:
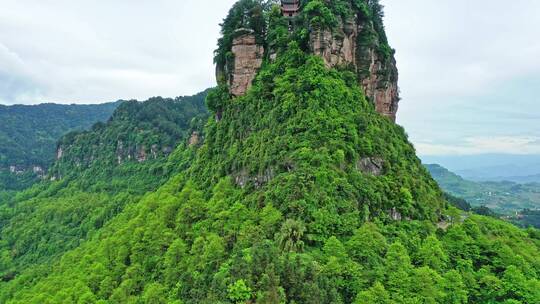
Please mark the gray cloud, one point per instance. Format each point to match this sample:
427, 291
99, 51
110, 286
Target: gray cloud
95, 51
467, 68
16, 79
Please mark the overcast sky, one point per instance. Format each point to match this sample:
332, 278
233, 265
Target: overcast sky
469, 70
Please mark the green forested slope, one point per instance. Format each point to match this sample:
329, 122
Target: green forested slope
28, 137
43, 222
277, 206
137, 132
29, 133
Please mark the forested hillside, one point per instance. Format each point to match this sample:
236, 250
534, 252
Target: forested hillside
137, 132
298, 191
29, 133
40, 224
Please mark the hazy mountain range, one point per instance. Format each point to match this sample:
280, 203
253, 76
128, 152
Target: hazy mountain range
491, 167
505, 197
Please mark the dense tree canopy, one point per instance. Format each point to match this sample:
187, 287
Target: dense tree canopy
29, 133
273, 209
39, 224
276, 206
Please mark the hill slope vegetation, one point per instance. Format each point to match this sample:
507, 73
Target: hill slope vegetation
42, 223
281, 205
29, 133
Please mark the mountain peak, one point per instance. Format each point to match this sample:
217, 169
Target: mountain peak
298, 191
348, 35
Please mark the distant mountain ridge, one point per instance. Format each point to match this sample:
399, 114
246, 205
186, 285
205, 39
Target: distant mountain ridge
491, 167
524, 179
502, 196
520, 179
28, 133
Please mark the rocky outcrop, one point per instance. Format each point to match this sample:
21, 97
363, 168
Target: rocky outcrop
371, 165
154, 151
59, 153
351, 44
194, 139
243, 178
141, 154
380, 82
337, 47
38, 170
395, 215
248, 58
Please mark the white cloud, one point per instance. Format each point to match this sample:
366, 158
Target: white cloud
462, 47
96, 51
467, 69
17, 82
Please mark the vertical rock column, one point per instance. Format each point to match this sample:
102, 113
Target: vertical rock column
380, 85
248, 58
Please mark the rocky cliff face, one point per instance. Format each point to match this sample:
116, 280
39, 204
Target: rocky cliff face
247, 58
337, 48
355, 43
346, 45
124, 152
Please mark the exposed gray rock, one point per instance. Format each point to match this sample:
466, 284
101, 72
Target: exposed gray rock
141, 154
395, 215
59, 153
194, 139
371, 165
243, 178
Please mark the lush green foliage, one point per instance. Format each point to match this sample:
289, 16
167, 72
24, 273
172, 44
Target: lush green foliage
43, 222
274, 32
273, 209
10, 183
244, 15
16, 182
29, 133
136, 132
276, 206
